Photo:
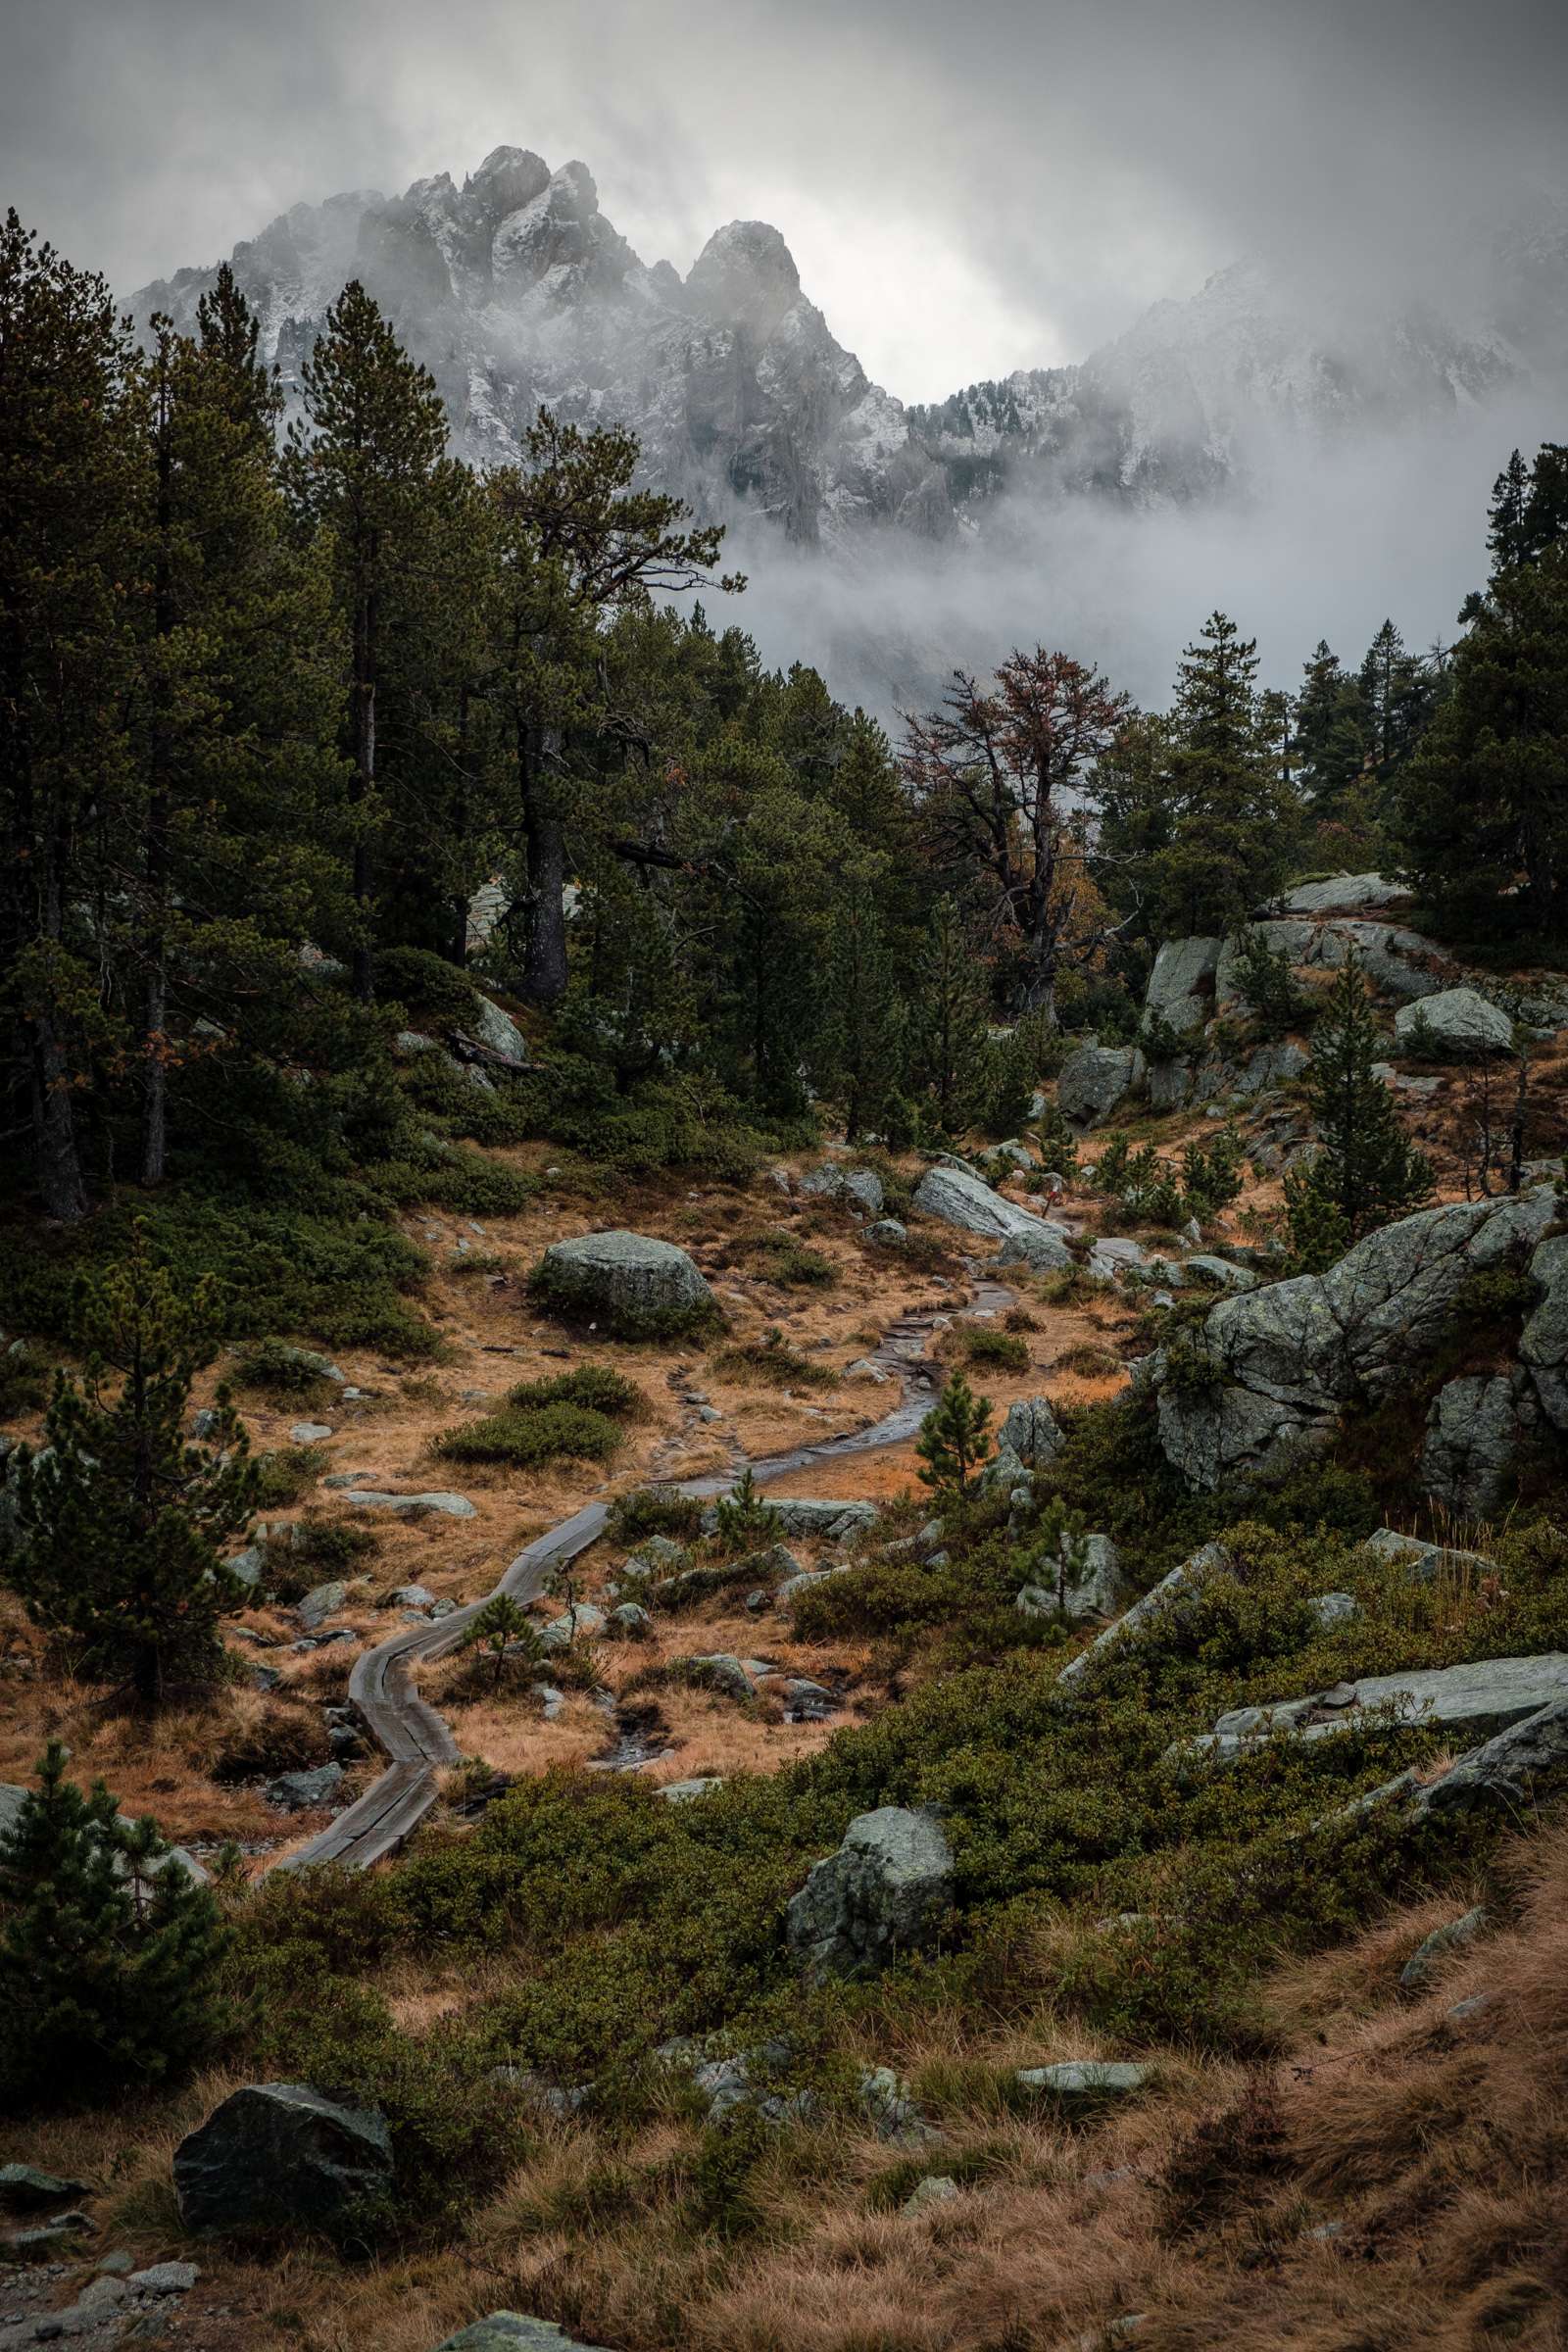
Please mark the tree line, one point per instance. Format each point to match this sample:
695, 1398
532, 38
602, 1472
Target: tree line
281, 693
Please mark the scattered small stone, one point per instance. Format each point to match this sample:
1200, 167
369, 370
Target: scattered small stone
1084, 2082
1423, 1965
23, 2188
309, 1432
301, 1791
165, 2279
937, 2188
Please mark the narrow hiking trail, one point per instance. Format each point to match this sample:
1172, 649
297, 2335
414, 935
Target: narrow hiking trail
411, 1732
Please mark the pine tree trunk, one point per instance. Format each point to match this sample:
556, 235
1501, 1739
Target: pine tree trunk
544, 973
364, 785
54, 1126
56, 1154
155, 1092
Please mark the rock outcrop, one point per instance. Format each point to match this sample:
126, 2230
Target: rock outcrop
278, 2153
1261, 1385
1096, 1080
885, 1891
1459, 1022
1180, 986
959, 1197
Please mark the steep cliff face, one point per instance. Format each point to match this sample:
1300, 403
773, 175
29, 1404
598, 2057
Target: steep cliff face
516, 290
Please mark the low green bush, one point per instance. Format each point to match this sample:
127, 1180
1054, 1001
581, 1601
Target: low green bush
524, 1440
986, 1343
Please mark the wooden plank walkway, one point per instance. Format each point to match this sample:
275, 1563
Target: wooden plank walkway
408, 1729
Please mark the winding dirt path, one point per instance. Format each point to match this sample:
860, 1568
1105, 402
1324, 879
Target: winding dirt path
410, 1731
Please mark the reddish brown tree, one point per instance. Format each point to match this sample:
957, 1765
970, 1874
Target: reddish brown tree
994, 773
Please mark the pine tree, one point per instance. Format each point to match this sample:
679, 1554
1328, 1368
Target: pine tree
108, 1951
361, 462
121, 1516
501, 1625
67, 429
1367, 1169
1238, 822
1506, 536
949, 1020
954, 1441
1330, 732
863, 1045
576, 543
1484, 804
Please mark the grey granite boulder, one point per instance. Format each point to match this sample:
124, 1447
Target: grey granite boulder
863, 1186
629, 1623
888, 1233
303, 1792
579, 1623
1342, 893
1219, 1273
1084, 1580
1032, 1433
1475, 1429
278, 2153
1095, 1080
1162, 1610
1079, 2083
1424, 1963
1506, 1776
320, 1603
512, 2332
1260, 1387
1292, 938
1543, 1342
1180, 986
499, 1031
628, 1281
885, 1891
1459, 1021
436, 1504
1272, 1066
957, 1197
1483, 1699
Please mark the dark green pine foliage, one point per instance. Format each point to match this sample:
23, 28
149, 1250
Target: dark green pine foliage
949, 1020
122, 1516
1237, 823
955, 1441
360, 465
1483, 806
231, 724
66, 436
866, 1026
1330, 732
109, 1953
1366, 1170
1398, 694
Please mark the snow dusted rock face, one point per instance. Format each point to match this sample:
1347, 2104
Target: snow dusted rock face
515, 290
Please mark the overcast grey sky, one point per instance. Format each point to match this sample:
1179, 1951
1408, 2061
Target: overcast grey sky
966, 188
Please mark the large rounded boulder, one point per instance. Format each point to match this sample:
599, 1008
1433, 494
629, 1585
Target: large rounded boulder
886, 1891
280, 2153
624, 1281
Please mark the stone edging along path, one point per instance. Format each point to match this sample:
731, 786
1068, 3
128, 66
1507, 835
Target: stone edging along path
410, 1731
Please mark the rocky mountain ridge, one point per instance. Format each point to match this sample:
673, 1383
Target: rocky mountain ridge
516, 290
